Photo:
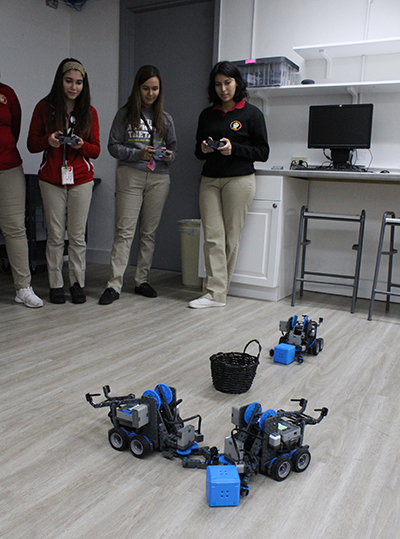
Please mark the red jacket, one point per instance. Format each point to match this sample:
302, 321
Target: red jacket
10, 125
50, 168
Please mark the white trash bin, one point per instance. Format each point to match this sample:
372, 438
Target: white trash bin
190, 244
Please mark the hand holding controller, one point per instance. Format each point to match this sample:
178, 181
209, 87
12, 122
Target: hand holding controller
67, 139
215, 144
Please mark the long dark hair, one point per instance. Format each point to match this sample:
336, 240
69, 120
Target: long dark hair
134, 104
56, 99
229, 70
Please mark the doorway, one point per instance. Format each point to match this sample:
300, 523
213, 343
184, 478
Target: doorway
178, 38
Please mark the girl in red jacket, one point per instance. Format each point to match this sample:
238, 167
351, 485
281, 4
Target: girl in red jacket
12, 198
65, 128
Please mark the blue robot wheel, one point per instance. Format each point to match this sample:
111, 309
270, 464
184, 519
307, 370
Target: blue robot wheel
249, 411
166, 391
153, 395
268, 413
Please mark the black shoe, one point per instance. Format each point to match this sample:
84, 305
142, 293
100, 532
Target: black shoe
108, 296
77, 294
146, 290
57, 296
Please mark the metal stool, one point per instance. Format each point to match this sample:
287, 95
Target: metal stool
388, 219
303, 242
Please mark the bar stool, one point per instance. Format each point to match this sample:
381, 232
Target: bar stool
303, 242
388, 219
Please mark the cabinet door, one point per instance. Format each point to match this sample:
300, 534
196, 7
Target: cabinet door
258, 257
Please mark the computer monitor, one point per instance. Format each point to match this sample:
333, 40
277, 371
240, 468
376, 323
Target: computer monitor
341, 129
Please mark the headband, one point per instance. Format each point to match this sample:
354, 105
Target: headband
74, 65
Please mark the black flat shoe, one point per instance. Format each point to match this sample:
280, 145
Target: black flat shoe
146, 290
108, 296
57, 296
77, 294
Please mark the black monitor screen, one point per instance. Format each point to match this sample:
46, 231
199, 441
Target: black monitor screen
340, 126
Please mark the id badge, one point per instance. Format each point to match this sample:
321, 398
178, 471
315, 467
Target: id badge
67, 175
152, 164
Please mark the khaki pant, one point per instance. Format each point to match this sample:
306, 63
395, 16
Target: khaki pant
66, 207
12, 224
138, 194
224, 203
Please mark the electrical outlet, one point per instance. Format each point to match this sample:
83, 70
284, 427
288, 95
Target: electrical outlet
298, 160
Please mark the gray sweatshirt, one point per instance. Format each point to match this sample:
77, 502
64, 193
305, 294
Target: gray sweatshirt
125, 144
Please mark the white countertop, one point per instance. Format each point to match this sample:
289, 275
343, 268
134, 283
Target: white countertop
375, 176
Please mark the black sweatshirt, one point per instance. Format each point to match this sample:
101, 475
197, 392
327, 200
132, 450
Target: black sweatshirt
245, 127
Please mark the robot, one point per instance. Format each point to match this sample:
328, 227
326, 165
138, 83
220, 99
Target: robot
302, 334
150, 422
270, 442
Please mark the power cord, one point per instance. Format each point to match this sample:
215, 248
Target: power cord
300, 165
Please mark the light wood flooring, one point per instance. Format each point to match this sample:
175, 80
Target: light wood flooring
60, 478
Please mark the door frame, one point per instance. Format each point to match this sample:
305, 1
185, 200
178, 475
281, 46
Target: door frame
128, 9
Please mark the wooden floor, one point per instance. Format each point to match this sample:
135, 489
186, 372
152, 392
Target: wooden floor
61, 479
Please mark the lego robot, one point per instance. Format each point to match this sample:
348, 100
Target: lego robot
299, 337
150, 422
270, 442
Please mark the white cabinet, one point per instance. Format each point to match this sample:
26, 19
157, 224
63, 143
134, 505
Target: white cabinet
265, 262
257, 261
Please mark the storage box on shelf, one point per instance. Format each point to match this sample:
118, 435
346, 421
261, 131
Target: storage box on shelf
274, 71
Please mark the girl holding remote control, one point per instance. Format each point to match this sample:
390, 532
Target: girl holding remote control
142, 138
228, 177
65, 128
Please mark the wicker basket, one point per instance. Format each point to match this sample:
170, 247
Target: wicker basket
234, 372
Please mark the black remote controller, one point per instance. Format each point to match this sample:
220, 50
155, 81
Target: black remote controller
214, 144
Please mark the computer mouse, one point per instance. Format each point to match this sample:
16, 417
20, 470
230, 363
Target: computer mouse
385, 172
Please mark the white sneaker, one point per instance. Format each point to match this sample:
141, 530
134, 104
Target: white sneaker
28, 297
204, 303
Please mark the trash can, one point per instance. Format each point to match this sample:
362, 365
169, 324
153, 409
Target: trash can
190, 244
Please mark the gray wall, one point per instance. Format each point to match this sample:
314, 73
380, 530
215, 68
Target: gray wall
33, 40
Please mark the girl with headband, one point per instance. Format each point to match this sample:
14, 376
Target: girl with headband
65, 128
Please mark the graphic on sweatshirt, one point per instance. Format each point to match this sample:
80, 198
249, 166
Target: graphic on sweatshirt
142, 134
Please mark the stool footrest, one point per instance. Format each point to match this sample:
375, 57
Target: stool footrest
334, 275
315, 281
333, 217
386, 293
389, 253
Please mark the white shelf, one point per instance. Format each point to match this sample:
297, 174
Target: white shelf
352, 88
355, 48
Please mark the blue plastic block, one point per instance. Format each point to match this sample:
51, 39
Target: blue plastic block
223, 485
284, 353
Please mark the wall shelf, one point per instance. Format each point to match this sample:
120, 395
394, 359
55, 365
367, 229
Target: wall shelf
328, 52
341, 88
355, 48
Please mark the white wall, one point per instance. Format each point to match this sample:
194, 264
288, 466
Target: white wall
282, 24
279, 26
33, 40
95, 41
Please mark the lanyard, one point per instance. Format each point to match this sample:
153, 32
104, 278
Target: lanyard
149, 129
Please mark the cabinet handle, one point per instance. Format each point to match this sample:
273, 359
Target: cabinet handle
274, 205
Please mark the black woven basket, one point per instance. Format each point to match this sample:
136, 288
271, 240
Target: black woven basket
234, 372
